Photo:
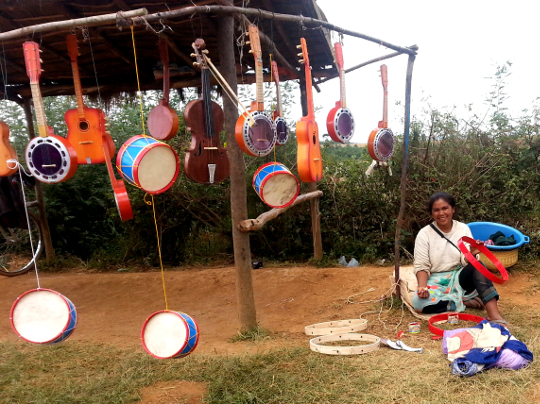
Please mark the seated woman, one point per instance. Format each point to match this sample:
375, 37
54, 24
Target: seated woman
446, 281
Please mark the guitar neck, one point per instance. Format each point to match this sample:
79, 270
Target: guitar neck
78, 88
309, 93
278, 100
39, 109
164, 54
259, 80
342, 88
385, 108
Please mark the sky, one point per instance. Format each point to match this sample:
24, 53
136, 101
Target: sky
460, 44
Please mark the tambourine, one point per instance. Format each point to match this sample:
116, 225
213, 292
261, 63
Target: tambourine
444, 316
483, 270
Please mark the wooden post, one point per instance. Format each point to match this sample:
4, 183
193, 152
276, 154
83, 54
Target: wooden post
45, 230
312, 186
242, 253
404, 167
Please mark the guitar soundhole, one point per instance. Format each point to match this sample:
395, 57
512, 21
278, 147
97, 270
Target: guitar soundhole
314, 139
83, 125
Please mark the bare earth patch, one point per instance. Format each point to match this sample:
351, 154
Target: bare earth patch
178, 392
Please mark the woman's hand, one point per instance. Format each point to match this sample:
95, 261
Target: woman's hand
475, 251
423, 292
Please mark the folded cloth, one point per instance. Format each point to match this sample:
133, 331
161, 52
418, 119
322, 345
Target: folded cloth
484, 346
501, 240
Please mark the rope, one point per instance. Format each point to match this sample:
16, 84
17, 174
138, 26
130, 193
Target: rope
21, 168
159, 249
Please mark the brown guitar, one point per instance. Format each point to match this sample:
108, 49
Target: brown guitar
206, 161
7, 152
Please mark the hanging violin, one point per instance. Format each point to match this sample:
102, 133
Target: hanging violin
206, 161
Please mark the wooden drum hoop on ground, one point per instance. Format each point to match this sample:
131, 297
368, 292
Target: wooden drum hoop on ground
374, 345
336, 327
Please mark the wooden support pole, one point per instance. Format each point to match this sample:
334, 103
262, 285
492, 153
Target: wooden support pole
262, 219
45, 230
242, 253
404, 167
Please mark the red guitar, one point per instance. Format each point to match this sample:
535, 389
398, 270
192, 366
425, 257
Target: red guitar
282, 128
7, 152
309, 161
49, 157
381, 140
259, 139
120, 193
162, 119
340, 121
87, 128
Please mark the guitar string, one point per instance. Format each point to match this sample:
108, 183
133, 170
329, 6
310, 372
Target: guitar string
153, 204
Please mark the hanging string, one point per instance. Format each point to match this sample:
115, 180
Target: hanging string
159, 249
21, 168
138, 82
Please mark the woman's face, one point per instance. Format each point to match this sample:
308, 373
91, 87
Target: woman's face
442, 213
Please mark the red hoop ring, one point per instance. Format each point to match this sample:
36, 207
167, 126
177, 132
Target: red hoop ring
478, 265
444, 316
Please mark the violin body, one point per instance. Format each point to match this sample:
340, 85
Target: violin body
7, 152
204, 150
309, 161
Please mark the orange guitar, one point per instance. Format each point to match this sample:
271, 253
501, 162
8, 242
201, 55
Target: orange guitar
309, 161
7, 152
87, 128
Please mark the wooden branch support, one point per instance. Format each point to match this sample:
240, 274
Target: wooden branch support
256, 224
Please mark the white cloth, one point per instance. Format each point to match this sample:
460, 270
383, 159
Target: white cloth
432, 253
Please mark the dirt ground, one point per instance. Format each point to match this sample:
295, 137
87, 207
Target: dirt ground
112, 307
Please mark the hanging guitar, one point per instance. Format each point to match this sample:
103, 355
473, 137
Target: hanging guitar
282, 128
257, 140
162, 119
123, 205
7, 153
309, 161
381, 140
49, 157
206, 161
340, 121
87, 127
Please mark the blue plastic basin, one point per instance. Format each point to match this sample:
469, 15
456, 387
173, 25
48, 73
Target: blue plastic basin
482, 231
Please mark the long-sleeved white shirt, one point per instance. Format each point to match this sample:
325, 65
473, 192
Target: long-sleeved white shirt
432, 253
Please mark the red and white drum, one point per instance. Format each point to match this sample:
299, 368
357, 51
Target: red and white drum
148, 164
169, 334
276, 185
43, 316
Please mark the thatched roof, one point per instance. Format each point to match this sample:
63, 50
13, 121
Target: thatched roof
112, 50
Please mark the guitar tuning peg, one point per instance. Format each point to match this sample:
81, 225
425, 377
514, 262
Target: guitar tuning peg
42, 70
197, 64
108, 132
40, 51
41, 60
193, 55
298, 46
247, 33
205, 51
248, 42
106, 118
107, 125
301, 61
299, 54
250, 51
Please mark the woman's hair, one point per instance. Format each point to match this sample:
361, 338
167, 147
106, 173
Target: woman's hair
441, 195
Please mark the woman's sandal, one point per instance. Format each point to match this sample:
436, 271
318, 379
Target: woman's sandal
475, 303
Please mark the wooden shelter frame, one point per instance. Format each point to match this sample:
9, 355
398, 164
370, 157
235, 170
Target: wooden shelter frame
242, 225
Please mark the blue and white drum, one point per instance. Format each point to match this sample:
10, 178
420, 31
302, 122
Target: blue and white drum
43, 316
169, 334
276, 185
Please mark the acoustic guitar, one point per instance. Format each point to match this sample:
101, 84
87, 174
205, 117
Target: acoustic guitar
7, 152
162, 119
282, 128
123, 205
309, 160
381, 139
49, 157
340, 121
257, 139
206, 161
87, 127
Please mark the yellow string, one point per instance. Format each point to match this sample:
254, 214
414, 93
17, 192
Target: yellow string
138, 82
159, 249
271, 81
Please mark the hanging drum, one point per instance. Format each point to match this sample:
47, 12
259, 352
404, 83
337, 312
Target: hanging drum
43, 316
276, 185
148, 164
169, 334
381, 144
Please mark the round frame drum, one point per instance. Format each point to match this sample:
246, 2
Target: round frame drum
276, 185
169, 334
257, 140
381, 144
148, 164
340, 126
43, 316
282, 130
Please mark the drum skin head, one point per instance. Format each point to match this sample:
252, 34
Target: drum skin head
157, 169
165, 334
40, 316
280, 190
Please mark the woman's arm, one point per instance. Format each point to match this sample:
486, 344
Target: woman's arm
422, 290
422, 263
